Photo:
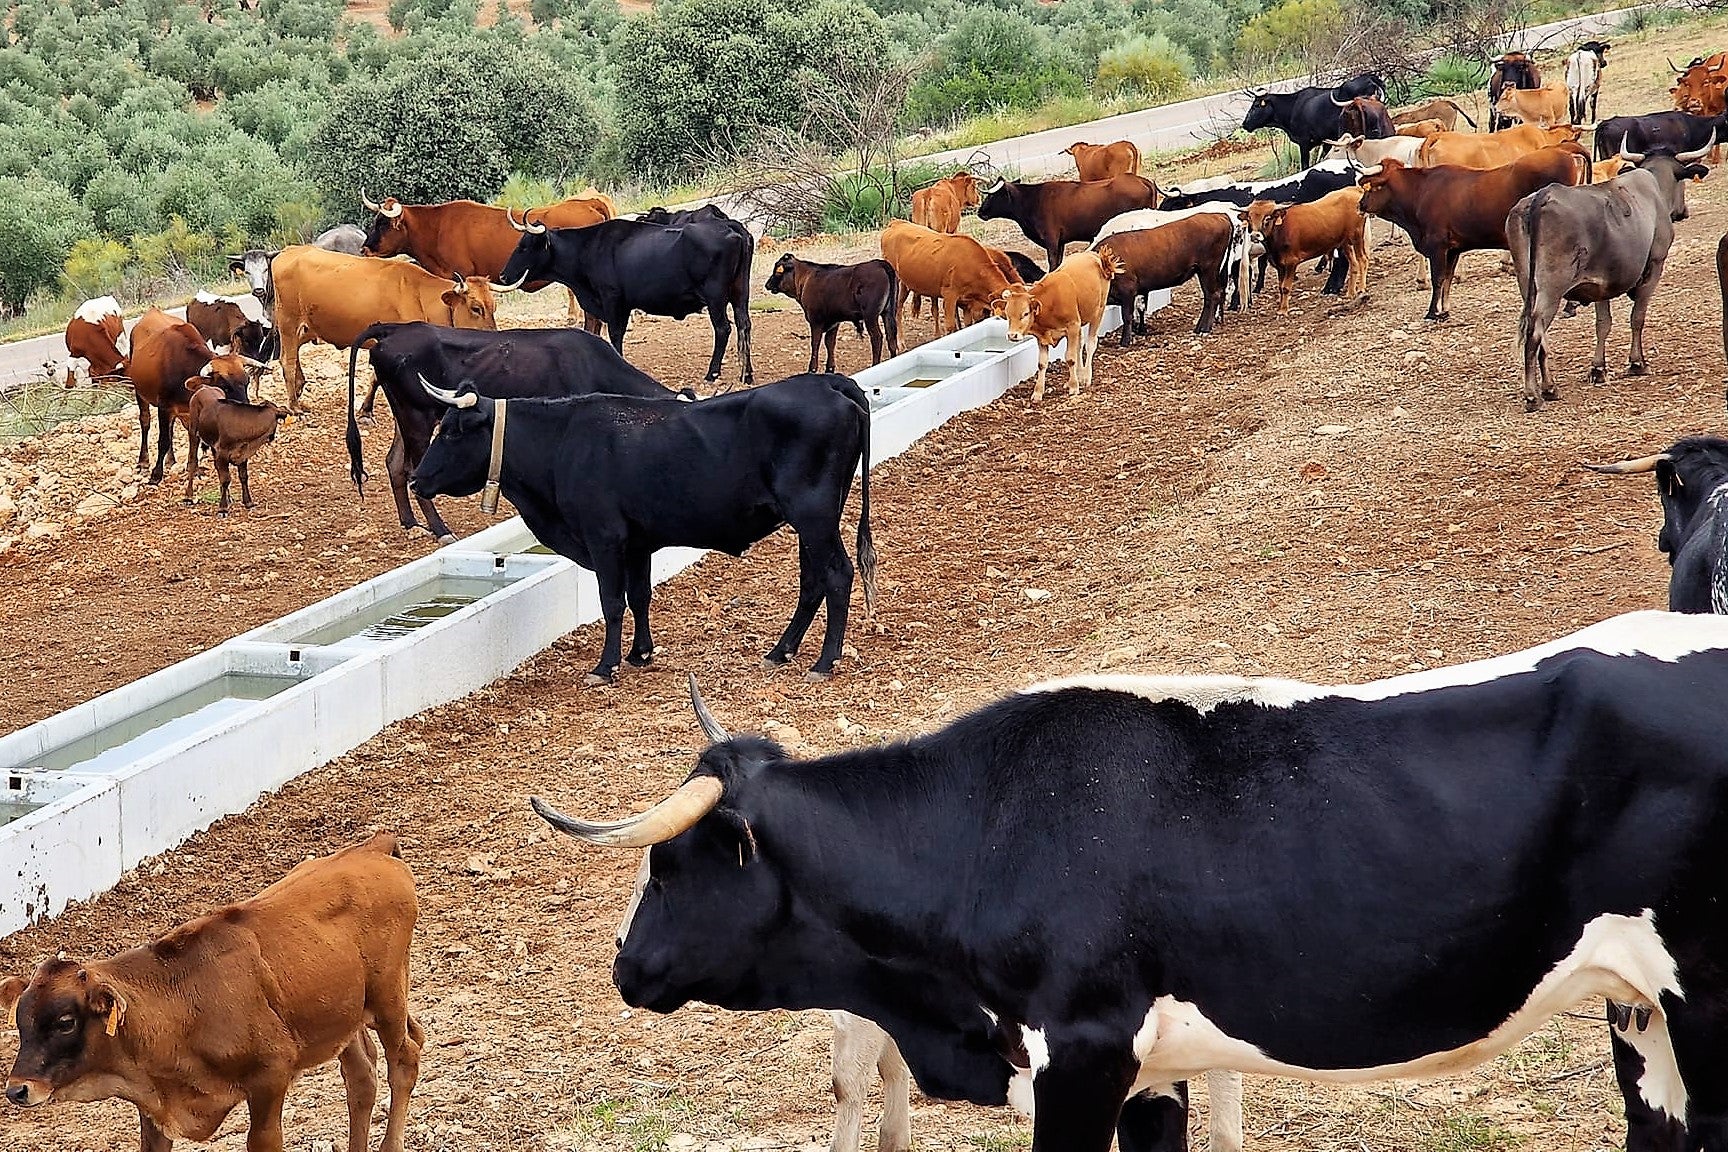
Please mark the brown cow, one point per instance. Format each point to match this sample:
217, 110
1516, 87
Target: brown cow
1057, 213
463, 238
1072, 297
1441, 109
1493, 149
1544, 107
1195, 245
1451, 210
332, 297
169, 361
1102, 161
956, 271
1295, 233
232, 1007
234, 431
96, 342
1701, 88
940, 206
1422, 129
866, 294
233, 323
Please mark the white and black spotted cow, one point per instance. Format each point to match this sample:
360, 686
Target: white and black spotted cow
1149, 878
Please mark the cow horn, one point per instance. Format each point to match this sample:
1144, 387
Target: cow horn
525, 226
1694, 157
1629, 156
367, 201
996, 187
676, 814
1631, 467
500, 289
710, 727
511, 216
255, 365
445, 396
392, 212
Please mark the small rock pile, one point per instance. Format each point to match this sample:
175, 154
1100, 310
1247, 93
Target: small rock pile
73, 474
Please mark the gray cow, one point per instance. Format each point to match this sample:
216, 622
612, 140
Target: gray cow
1590, 244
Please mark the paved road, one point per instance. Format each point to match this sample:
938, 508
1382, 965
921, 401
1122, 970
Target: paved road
1166, 128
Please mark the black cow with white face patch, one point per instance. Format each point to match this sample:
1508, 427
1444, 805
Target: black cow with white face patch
1154, 877
1692, 483
609, 480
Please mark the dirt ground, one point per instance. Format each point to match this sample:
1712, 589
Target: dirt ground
1341, 495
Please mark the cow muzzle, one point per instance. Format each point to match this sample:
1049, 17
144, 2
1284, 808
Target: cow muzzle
27, 1093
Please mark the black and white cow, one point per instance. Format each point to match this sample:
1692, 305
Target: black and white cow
1692, 483
1143, 879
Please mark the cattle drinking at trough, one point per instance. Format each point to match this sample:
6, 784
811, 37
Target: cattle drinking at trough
1512, 70
1142, 976
97, 343
1067, 304
1104, 161
1056, 213
517, 363
1584, 80
1295, 233
607, 481
169, 361
1588, 245
234, 431
331, 297
1692, 484
956, 272
617, 266
1449, 210
866, 295
234, 1006
1310, 116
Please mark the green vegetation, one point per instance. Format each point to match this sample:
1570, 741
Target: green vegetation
142, 139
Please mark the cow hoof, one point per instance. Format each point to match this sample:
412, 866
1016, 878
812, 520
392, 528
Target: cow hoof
1598, 375
188, 501
1637, 369
815, 677
447, 538
1532, 404
1438, 316
365, 420
596, 680
772, 663
639, 660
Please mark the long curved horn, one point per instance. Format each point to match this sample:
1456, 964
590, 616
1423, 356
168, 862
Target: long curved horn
1335, 100
676, 814
1694, 157
500, 289
391, 213
710, 727
537, 229
510, 215
367, 201
996, 187
1629, 156
1631, 467
445, 396
255, 365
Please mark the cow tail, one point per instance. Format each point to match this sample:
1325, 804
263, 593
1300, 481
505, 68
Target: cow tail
1460, 110
356, 466
1527, 321
1722, 283
891, 308
866, 545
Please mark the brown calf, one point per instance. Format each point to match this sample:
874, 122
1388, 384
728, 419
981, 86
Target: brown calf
1543, 107
232, 1007
1492, 149
1441, 109
234, 431
867, 295
1448, 211
940, 206
1196, 246
1102, 161
1296, 233
1072, 297
955, 270
166, 354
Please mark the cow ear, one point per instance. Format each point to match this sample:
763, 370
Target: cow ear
104, 1000
453, 298
10, 990
1032, 307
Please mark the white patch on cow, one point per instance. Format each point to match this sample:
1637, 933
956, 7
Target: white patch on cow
205, 296
1142, 219
250, 306
208, 369
1663, 636
1619, 958
222, 349
1021, 1096
124, 344
635, 898
92, 311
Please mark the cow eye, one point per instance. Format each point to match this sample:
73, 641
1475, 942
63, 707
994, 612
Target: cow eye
65, 1023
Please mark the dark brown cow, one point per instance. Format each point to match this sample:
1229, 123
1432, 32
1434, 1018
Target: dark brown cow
1366, 117
1449, 210
234, 324
1196, 246
232, 1007
169, 361
866, 294
1057, 213
1513, 70
234, 432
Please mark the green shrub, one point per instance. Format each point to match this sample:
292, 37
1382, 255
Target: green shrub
39, 224
1291, 29
989, 60
177, 250
1148, 66
96, 267
1451, 74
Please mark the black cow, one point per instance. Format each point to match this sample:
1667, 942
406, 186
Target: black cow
517, 362
1672, 132
1692, 483
619, 265
865, 294
608, 480
1310, 116
1028, 268
1140, 879
1513, 70
1302, 187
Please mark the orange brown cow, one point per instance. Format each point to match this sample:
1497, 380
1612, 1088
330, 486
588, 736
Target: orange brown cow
1059, 307
1102, 161
1295, 233
940, 206
1701, 88
96, 341
169, 362
1544, 107
956, 271
232, 1007
1493, 149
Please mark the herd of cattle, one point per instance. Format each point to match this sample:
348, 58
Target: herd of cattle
1114, 883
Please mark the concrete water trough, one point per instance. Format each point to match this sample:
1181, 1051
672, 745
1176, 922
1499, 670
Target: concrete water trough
91, 792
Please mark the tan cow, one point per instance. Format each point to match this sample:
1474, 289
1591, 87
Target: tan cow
940, 206
1441, 109
1102, 161
232, 1007
1296, 233
332, 297
1484, 150
1058, 307
956, 271
1544, 107
1422, 129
